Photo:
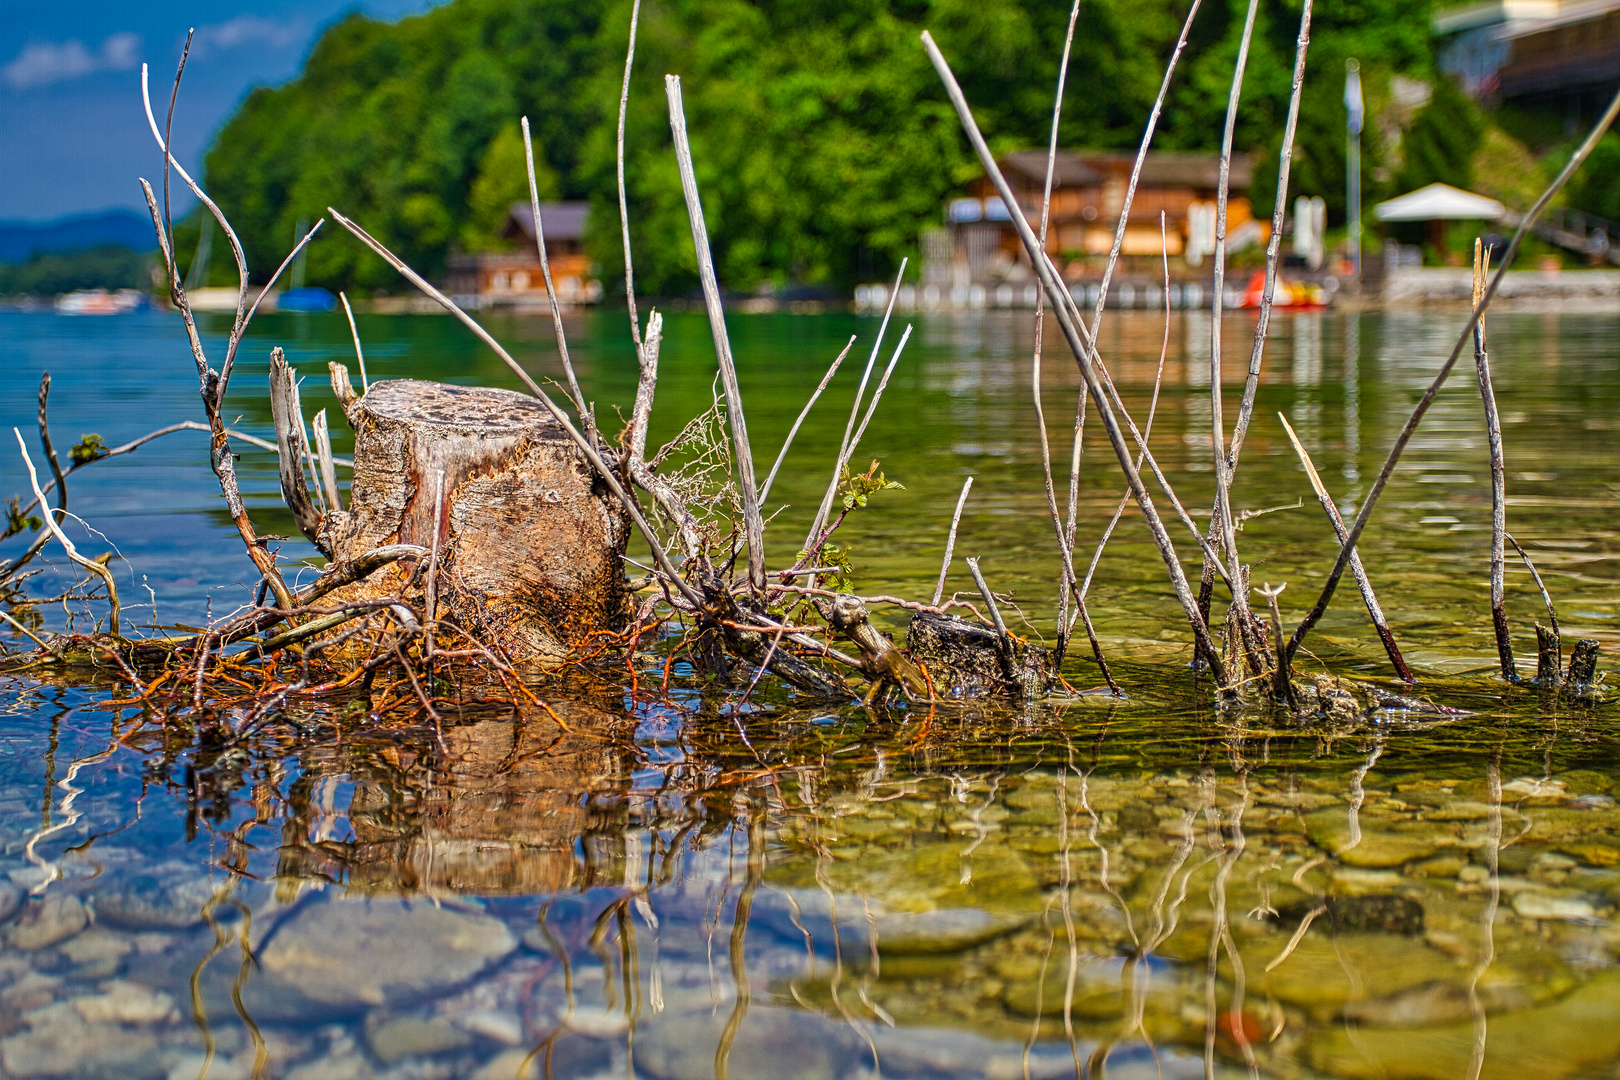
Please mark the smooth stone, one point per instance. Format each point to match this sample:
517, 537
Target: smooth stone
512, 1065
1315, 979
1431, 1003
413, 1036
1461, 811
45, 922
1598, 852
597, 1022
1577, 1036
497, 1026
350, 1066
96, 953
1385, 913
1098, 992
169, 896
10, 900
370, 952
927, 899
1536, 788
1533, 905
60, 1042
1378, 849
123, 1002
783, 1044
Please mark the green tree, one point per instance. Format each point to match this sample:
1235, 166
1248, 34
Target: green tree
503, 179
1441, 145
823, 140
1596, 187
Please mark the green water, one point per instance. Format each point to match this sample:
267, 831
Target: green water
685, 887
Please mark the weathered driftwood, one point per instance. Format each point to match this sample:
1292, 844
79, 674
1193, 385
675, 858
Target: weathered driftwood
528, 540
1549, 656
1583, 664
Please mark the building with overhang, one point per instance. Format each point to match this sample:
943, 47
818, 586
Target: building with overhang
514, 277
1089, 190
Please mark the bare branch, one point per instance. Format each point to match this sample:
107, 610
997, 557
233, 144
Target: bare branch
753, 522
580, 406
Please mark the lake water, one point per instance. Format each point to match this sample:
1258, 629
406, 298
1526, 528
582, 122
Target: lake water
683, 888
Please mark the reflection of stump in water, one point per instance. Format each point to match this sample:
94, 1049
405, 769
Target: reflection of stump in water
529, 538
520, 807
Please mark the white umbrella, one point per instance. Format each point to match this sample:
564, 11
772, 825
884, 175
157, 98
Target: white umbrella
1439, 202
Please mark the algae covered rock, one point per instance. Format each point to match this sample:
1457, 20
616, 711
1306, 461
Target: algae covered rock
927, 899
1381, 845
1323, 974
1577, 1036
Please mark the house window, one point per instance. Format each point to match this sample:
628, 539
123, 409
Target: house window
497, 281
520, 279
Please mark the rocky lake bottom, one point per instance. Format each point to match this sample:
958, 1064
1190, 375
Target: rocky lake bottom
998, 897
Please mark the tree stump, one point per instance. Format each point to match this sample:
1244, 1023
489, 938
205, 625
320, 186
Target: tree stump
529, 539
966, 659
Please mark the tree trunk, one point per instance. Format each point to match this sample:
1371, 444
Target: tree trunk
528, 538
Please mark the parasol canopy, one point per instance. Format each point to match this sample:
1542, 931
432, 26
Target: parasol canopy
1439, 202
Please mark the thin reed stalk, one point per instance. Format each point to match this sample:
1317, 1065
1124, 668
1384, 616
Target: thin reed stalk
1374, 610
1223, 483
747, 487
1493, 439
587, 421
1066, 579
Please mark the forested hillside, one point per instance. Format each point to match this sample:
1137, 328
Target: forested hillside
822, 139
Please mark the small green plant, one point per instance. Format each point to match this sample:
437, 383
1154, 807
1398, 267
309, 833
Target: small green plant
858, 489
88, 449
16, 522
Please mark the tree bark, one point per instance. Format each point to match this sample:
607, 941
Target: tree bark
528, 539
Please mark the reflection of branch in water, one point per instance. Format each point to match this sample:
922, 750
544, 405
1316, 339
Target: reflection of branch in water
545, 1046
1359, 796
598, 947
1224, 924
70, 812
222, 938
1040, 984
981, 830
261, 1052
1487, 918
1065, 886
741, 991
1102, 854
1135, 1021
630, 972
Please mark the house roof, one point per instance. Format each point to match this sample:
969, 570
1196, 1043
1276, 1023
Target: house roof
561, 220
1067, 169
1439, 202
1167, 168
1161, 168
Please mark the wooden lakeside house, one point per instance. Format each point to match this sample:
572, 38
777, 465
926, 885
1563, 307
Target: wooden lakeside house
513, 278
1088, 192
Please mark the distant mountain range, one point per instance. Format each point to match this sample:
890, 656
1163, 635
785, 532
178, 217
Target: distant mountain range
120, 228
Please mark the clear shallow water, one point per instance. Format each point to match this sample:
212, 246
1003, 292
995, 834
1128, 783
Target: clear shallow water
688, 890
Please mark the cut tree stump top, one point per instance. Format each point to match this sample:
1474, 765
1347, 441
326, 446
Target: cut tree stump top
472, 408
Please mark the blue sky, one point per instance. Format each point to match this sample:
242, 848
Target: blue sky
73, 137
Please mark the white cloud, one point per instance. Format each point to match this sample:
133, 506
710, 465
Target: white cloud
47, 62
246, 30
